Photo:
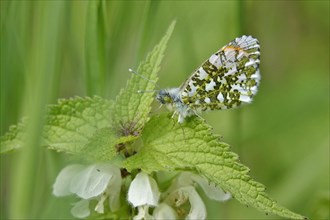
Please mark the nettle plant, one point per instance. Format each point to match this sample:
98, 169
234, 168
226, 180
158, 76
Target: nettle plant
138, 165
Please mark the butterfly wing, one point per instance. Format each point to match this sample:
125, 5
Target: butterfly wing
227, 79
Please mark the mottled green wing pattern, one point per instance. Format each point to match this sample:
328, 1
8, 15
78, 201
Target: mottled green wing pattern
227, 79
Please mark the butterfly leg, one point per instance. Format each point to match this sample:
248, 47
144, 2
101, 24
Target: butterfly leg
199, 116
160, 106
180, 119
174, 113
184, 136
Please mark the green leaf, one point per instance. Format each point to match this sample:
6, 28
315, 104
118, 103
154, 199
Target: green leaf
100, 147
192, 146
73, 121
13, 139
69, 125
132, 108
103, 145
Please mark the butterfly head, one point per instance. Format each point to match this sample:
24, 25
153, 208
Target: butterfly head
171, 98
168, 97
164, 97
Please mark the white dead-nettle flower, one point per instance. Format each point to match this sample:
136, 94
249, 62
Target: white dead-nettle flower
95, 182
103, 181
164, 211
183, 190
142, 193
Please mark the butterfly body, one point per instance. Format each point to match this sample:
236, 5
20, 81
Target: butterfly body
173, 101
229, 78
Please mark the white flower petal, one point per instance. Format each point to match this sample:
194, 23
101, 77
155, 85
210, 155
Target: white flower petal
197, 210
143, 191
164, 211
61, 186
93, 180
210, 189
113, 191
183, 189
143, 214
114, 198
182, 195
99, 208
81, 209
184, 179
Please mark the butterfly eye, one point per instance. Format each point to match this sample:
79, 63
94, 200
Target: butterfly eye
164, 97
168, 99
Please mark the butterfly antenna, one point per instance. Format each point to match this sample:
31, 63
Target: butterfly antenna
146, 91
149, 80
184, 135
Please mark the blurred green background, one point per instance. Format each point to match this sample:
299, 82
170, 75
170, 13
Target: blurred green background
61, 49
